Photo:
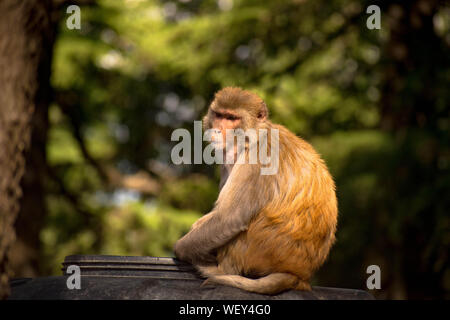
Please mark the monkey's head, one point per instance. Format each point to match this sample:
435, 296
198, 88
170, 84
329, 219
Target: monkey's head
235, 108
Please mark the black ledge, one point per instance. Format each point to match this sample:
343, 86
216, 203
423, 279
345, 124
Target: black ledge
124, 277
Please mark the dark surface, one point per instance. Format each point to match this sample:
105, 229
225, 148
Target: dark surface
119, 277
150, 267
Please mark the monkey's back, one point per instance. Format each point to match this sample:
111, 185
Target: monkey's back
296, 230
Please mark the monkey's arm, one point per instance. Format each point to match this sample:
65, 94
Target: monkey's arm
201, 221
240, 199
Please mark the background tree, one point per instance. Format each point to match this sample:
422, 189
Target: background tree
25, 60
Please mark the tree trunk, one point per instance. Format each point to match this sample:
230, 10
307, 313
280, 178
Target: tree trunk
26, 42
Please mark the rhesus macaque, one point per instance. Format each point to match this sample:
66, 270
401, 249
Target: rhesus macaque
266, 233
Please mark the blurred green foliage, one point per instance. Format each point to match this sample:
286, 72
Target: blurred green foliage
139, 69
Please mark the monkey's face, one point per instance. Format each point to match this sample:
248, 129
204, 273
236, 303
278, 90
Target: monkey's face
221, 120
233, 108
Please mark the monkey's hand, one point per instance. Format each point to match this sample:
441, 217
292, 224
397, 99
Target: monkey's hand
199, 244
184, 252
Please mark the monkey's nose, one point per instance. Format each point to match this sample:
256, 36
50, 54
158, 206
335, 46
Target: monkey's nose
216, 135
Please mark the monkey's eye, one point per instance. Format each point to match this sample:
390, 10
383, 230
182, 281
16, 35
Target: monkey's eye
217, 114
226, 116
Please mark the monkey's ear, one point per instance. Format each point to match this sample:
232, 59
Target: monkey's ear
263, 112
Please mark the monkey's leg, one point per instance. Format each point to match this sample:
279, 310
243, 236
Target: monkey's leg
303, 285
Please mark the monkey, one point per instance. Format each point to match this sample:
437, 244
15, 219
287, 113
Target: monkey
266, 233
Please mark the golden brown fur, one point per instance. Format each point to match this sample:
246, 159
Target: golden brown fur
266, 234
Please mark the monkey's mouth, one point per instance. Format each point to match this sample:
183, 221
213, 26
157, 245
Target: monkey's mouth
217, 144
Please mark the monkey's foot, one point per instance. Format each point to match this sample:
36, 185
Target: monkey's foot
207, 282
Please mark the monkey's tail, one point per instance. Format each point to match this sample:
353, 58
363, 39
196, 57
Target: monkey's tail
271, 284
